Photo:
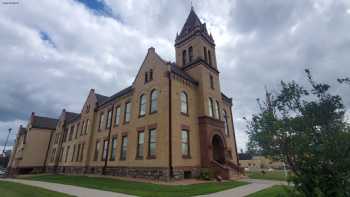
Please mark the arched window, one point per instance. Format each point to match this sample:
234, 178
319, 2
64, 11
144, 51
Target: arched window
210, 107
154, 101
184, 103
142, 105
224, 115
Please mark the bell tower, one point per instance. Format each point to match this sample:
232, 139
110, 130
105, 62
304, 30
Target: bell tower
195, 54
194, 44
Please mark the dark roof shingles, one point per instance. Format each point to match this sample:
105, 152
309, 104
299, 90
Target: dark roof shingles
44, 122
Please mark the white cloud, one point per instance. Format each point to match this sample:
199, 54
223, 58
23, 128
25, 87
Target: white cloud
258, 44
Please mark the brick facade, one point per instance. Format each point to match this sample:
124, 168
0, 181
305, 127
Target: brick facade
171, 122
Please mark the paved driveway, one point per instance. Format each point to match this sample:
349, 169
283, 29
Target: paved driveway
254, 186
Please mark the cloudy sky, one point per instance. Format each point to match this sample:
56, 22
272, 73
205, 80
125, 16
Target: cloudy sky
53, 52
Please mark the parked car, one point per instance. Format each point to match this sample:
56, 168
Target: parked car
3, 172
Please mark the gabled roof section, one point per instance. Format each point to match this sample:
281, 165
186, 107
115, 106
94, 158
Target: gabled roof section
117, 95
226, 98
101, 98
193, 26
44, 122
71, 116
179, 72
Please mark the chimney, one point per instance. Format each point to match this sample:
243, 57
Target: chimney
151, 49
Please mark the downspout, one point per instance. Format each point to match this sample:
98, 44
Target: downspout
171, 173
109, 139
47, 151
234, 135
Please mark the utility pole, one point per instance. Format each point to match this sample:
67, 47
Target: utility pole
8, 135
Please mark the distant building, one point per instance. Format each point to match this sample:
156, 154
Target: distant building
258, 162
169, 124
31, 147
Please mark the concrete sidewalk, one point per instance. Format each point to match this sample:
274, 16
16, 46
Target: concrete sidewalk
254, 186
68, 189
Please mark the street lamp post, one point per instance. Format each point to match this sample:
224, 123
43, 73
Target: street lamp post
8, 135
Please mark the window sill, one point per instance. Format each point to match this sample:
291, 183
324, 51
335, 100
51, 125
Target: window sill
138, 158
184, 114
154, 112
141, 116
186, 157
151, 157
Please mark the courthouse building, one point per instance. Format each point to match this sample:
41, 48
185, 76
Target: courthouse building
170, 123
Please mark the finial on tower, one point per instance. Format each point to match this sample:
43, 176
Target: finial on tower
191, 5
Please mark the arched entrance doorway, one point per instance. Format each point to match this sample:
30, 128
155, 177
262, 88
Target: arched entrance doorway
218, 149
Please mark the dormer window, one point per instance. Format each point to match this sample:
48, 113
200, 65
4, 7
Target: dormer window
146, 77
149, 76
190, 54
205, 54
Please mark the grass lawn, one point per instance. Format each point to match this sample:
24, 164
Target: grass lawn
10, 189
139, 188
274, 191
274, 175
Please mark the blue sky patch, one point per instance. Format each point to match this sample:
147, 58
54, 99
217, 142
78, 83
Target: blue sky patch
46, 38
99, 7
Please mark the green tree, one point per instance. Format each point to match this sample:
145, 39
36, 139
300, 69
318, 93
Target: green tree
307, 130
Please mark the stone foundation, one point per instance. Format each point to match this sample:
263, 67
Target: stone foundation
152, 173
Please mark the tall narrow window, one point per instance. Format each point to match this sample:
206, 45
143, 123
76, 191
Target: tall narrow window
82, 152
71, 132
209, 57
82, 128
184, 102
124, 148
127, 114
205, 54
140, 143
102, 116
185, 147
216, 110
67, 152
53, 154
117, 116
104, 150
224, 115
210, 107
77, 130
113, 148
190, 54
154, 101
109, 119
151, 75
97, 147
73, 153
78, 153
211, 81
152, 141
61, 154
87, 125
184, 57
142, 107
